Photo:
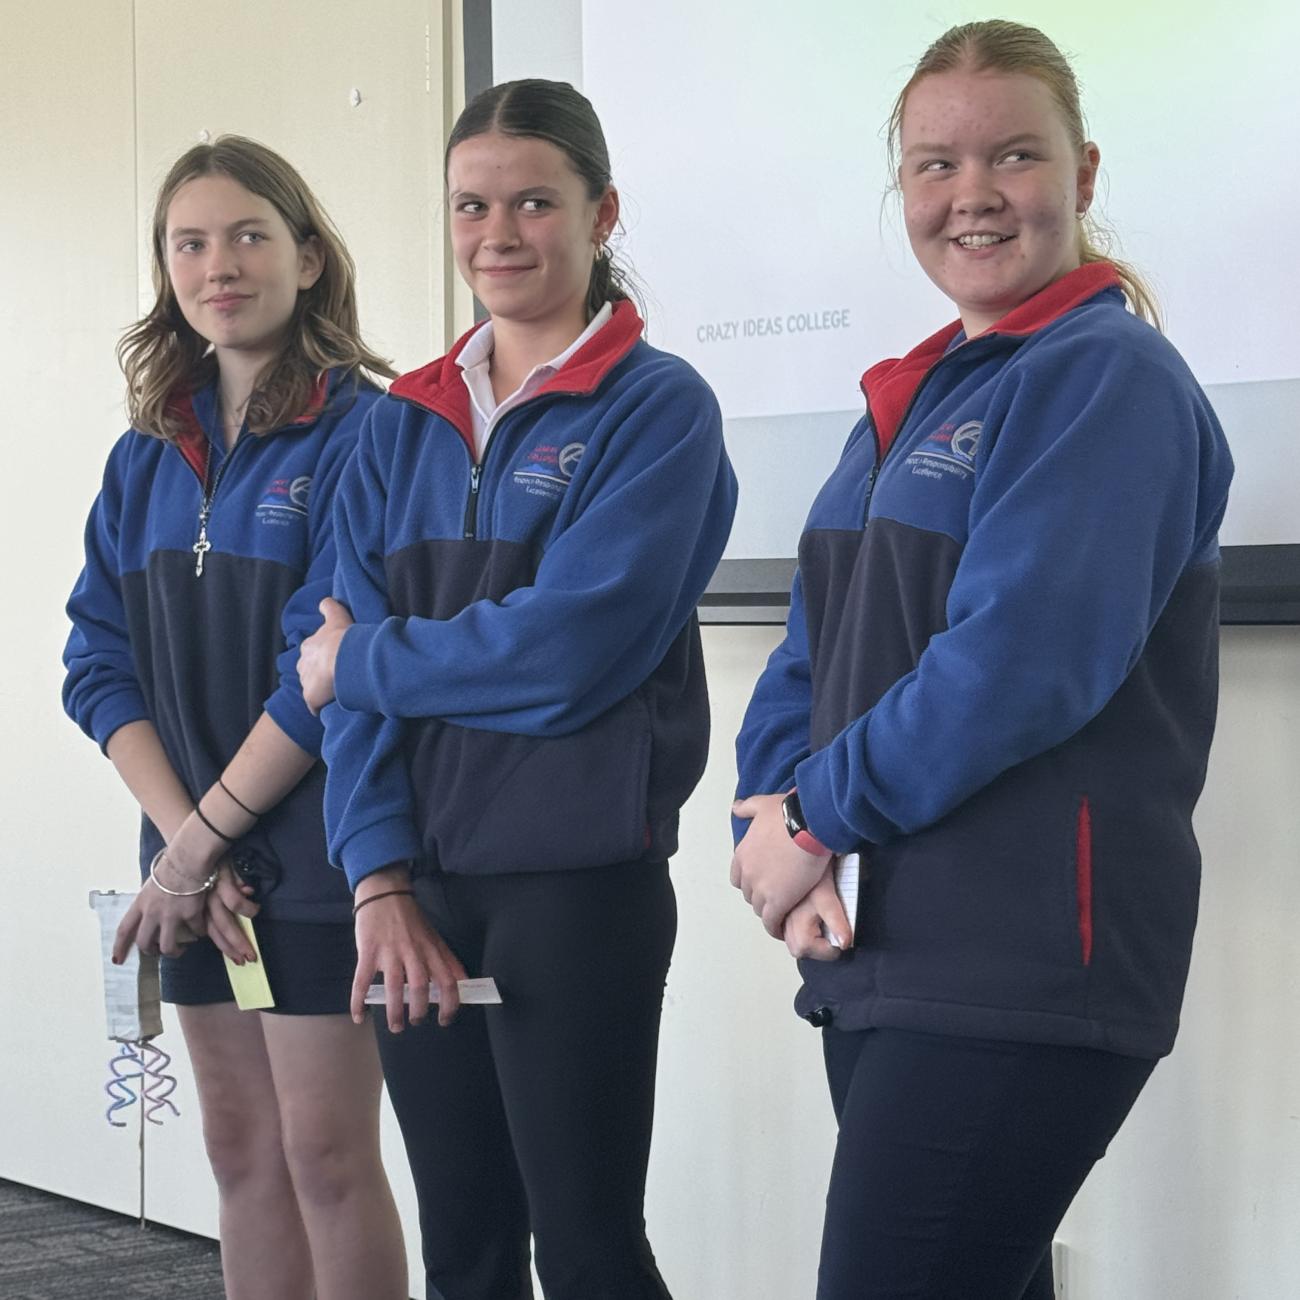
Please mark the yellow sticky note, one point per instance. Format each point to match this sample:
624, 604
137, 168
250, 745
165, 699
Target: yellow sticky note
252, 991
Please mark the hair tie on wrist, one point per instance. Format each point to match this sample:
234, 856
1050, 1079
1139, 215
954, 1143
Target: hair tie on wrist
198, 812
179, 893
387, 893
238, 800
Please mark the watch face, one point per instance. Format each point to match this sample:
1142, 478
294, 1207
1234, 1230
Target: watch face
259, 868
793, 814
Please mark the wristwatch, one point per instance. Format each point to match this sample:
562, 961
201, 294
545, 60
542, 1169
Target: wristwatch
792, 811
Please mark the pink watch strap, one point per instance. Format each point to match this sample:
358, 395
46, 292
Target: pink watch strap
809, 843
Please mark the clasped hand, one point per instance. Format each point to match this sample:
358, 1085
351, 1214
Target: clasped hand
792, 891
393, 937
161, 922
317, 655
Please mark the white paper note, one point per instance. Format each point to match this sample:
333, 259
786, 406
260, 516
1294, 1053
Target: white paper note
482, 990
131, 998
847, 871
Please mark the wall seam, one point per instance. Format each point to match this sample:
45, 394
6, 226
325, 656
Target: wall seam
135, 155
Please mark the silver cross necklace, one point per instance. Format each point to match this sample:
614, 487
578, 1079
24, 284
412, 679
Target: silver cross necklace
203, 546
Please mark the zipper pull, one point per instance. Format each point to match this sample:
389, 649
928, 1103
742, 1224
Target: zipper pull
471, 506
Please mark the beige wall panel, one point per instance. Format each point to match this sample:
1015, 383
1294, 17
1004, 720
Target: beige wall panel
460, 302
285, 74
67, 276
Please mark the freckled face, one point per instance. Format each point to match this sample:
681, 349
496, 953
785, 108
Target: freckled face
523, 231
234, 265
991, 189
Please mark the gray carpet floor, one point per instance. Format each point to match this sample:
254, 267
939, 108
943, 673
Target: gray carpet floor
56, 1249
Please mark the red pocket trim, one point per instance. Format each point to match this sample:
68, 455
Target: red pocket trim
1083, 877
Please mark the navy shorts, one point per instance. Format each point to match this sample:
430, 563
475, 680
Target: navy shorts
309, 965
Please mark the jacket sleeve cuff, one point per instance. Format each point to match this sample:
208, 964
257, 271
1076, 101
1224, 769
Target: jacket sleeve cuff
739, 825
295, 719
352, 688
378, 846
817, 799
114, 713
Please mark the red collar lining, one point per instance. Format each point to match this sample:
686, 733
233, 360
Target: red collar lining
192, 440
440, 388
890, 385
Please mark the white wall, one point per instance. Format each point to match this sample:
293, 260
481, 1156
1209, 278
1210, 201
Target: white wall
67, 240
1201, 1192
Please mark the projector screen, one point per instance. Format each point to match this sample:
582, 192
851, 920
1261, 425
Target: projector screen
746, 141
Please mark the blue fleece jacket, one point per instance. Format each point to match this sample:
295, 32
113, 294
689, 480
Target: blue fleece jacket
523, 688
201, 656
999, 677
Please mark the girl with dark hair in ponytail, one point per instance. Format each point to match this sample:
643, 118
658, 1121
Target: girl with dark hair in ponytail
515, 711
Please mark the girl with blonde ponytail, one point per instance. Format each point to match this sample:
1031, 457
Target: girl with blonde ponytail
993, 706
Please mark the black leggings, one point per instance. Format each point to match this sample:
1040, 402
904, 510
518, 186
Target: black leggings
535, 1116
957, 1158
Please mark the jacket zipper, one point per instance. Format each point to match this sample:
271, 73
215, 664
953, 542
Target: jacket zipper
871, 478
907, 410
875, 434
471, 505
469, 527
203, 546
469, 531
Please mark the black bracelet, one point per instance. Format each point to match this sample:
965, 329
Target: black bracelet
387, 893
237, 799
198, 812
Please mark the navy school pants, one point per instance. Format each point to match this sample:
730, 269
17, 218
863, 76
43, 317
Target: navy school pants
957, 1159
535, 1116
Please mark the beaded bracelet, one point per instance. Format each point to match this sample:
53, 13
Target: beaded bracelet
179, 893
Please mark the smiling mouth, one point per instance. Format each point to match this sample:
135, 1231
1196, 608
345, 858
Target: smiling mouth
981, 240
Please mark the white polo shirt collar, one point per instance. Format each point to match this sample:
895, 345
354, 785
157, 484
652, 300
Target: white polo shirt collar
475, 362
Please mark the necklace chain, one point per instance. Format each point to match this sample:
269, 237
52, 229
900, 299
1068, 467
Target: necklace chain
203, 546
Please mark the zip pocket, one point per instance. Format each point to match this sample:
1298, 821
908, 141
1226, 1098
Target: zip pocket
1083, 877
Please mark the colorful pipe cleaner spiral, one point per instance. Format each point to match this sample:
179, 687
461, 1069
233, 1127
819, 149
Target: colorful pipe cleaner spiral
140, 1068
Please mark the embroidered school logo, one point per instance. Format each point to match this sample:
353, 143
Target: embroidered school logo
284, 501
547, 468
948, 452
966, 441
569, 458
